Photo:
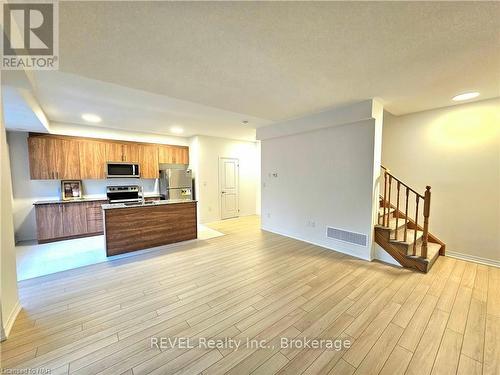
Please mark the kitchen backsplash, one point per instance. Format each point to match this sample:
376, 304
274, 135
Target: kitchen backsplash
97, 188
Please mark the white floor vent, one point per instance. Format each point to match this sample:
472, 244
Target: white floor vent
346, 236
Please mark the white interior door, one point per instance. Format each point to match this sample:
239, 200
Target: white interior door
229, 174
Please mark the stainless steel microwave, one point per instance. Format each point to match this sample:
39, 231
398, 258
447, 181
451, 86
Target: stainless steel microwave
122, 170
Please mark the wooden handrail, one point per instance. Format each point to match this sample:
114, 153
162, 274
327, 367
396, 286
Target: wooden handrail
386, 200
402, 182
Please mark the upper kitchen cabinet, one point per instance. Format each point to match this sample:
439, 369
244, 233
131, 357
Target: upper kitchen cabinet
125, 152
92, 160
173, 154
42, 158
114, 152
67, 159
131, 152
58, 157
148, 161
53, 158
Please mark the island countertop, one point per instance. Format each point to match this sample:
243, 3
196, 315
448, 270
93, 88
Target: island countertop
142, 226
84, 199
111, 206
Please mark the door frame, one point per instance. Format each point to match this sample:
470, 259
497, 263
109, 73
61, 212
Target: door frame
221, 158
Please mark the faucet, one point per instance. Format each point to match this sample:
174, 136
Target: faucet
141, 189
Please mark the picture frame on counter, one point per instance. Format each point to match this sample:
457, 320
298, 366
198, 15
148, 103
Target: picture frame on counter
71, 190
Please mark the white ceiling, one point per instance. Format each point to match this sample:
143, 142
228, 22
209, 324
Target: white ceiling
65, 97
208, 65
20, 115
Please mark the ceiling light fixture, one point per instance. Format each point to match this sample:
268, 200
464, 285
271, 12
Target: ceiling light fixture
244, 122
465, 96
89, 117
176, 130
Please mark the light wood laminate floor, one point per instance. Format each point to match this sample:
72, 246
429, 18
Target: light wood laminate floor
255, 284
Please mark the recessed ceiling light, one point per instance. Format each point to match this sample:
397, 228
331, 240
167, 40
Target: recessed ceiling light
89, 117
176, 130
244, 122
465, 96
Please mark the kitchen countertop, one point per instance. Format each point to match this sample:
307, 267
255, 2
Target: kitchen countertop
85, 199
151, 204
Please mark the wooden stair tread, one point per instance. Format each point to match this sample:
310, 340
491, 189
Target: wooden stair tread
392, 224
410, 236
387, 211
432, 251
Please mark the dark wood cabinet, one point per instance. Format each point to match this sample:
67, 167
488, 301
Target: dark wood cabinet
74, 219
94, 217
49, 222
58, 221
160, 224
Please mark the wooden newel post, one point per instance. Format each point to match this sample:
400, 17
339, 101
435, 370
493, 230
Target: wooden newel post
385, 197
427, 209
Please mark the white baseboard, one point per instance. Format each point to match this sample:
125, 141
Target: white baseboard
314, 243
10, 321
473, 258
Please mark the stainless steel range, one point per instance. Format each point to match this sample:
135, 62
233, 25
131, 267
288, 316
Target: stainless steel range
124, 194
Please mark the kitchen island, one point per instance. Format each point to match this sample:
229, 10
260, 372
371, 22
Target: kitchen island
144, 225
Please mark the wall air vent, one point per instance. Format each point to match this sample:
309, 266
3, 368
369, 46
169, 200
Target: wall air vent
346, 236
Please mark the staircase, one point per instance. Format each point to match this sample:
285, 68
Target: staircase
403, 224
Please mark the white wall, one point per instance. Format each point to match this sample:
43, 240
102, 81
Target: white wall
456, 150
208, 151
325, 177
8, 278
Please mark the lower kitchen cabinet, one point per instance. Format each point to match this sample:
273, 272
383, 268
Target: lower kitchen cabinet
59, 221
49, 222
74, 219
94, 218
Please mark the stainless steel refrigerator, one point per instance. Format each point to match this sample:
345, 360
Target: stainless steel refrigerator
176, 183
